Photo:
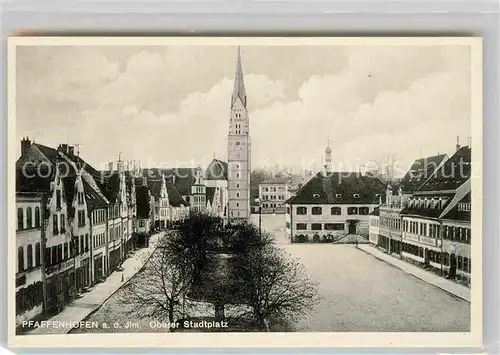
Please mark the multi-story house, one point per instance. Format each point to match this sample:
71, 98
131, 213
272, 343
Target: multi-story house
198, 197
332, 205
437, 212
30, 242
397, 195
145, 204
98, 210
374, 226
273, 194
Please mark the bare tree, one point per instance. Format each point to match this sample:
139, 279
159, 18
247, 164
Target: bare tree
275, 286
389, 167
157, 291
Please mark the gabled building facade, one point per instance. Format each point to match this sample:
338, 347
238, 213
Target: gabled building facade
440, 210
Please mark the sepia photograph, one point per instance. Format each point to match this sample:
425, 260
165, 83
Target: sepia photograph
302, 187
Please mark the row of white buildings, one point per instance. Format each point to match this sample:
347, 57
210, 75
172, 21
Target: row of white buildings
427, 219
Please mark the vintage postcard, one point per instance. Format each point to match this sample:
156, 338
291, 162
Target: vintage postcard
245, 192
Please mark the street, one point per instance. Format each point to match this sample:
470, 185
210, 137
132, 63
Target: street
362, 294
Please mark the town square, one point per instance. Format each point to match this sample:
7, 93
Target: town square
333, 198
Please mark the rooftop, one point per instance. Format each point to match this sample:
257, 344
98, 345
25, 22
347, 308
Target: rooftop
340, 188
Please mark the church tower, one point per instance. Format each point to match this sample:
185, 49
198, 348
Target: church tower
238, 150
327, 162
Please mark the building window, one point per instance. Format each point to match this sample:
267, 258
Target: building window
55, 229
29, 218
37, 217
66, 251
316, 226
38, 255
336, 211
58, 199
301, 226
287, 225
301, 210
364, 211
237, 175
352, 210
63, 223
82, 244
59, 253
20, 259
87, 241
237, 194
334, 226
317, 210
30, 256
288, 210
20, 219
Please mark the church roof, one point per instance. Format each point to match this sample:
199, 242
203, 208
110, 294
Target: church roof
239, 85
340, 188
217, 170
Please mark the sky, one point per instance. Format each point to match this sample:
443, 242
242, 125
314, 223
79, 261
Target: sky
168, 106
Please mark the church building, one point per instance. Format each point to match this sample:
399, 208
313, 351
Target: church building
239, 148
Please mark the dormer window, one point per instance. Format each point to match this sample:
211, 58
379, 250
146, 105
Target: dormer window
316, 196
355, 195
338, 195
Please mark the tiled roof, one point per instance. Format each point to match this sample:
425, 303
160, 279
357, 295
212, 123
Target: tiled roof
210, 194
452, 174
420, 171
340, 188
143, 202
427, 211
183, 178
50, 153
459, 215
111, 187
155, 187
92, 197
174, 196
30, 181
217, 170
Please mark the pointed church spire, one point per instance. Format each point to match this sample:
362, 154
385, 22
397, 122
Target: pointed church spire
239, 85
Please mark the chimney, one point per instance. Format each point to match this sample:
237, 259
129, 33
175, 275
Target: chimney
110, 165
458, 143
25, 145
63, 148
144, 181
71, 151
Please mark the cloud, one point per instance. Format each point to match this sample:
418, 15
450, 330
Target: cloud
171, 104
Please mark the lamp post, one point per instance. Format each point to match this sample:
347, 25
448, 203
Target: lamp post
260, 216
